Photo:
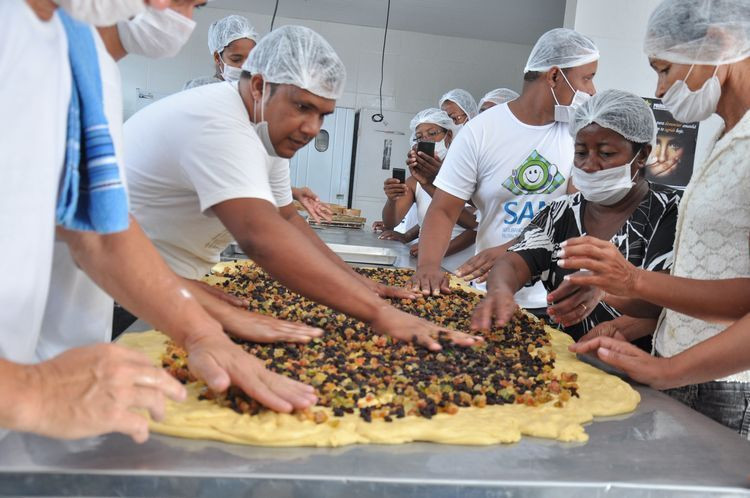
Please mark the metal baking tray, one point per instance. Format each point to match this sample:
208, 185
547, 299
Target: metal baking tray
337, 224
365, 254
349, 253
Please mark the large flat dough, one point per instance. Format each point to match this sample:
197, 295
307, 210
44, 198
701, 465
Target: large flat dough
601, 394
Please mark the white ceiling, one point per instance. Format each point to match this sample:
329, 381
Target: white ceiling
510, 21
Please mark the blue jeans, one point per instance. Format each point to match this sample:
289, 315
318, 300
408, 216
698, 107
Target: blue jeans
726, 402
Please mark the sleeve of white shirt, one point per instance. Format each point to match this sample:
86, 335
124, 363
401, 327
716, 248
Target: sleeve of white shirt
226, 162
459, 173
281, 182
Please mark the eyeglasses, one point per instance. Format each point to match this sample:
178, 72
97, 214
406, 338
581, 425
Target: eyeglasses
431, 135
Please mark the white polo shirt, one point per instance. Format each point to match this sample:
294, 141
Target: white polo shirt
187, 153
510, 170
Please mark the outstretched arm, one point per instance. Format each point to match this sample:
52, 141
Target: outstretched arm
508, 275
292, 258
724, 354
720, 301
128, 267
434, 239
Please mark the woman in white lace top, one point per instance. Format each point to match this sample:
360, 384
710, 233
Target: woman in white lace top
701, 52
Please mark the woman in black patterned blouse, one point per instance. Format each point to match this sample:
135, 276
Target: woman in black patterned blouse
614, 133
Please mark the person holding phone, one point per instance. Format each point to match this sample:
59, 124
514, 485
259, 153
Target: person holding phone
432, 133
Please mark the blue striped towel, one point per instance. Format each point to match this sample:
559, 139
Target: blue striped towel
92, 196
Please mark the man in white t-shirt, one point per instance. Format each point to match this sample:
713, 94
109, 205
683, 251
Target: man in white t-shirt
78, 311
510, 161
210, 164
100, 388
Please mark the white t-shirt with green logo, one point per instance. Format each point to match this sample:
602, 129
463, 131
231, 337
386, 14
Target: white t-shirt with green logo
511, 171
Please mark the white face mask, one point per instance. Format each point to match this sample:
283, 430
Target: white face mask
230, 73
688, 106
440, 149
155, 33
102, 12
564, 113
262, 127
606, 186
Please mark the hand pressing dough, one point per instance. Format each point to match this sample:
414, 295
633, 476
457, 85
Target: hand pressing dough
600, 394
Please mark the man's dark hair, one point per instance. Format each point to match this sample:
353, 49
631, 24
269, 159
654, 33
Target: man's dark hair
534, 75
272, 86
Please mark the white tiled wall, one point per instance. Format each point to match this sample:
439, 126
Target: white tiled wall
618, 28
418, 67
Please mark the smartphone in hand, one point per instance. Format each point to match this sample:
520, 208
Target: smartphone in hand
399, 174
426, 147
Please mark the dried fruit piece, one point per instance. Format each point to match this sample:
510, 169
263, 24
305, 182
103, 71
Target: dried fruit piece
357, 371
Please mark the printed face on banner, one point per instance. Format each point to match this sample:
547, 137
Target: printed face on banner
671, 160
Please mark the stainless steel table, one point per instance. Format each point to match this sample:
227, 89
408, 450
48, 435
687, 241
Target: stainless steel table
366, 237
663, 449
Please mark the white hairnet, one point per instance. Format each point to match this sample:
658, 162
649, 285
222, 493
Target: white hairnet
224, 31
627, 114
710, 32
462, 99
563, 48
432, 115
498, 96
296, 55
